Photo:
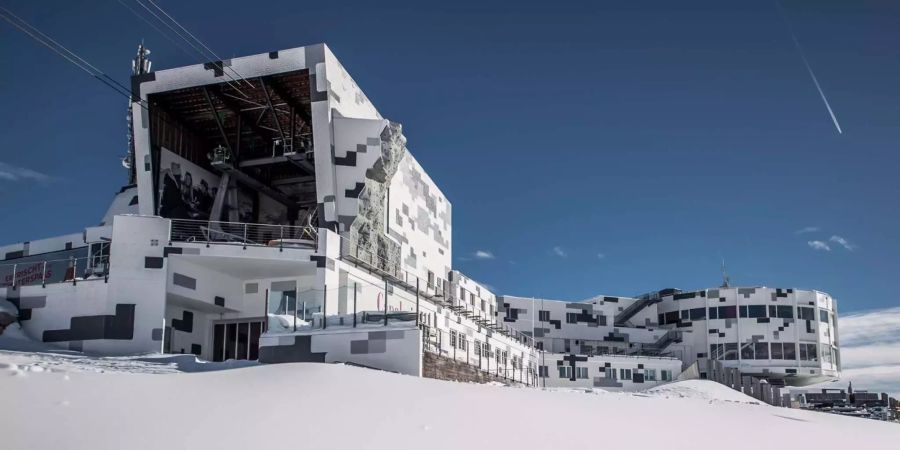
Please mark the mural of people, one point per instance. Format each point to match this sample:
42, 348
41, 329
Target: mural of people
180, 197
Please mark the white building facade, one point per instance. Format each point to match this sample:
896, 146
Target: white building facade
276, 215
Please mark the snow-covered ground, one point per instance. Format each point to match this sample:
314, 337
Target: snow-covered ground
74, 401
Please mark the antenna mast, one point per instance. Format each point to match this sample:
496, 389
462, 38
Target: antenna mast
139, 66
726, 281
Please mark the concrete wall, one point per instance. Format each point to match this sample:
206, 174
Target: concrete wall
391, 349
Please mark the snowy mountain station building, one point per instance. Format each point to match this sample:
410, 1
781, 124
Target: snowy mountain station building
272, 213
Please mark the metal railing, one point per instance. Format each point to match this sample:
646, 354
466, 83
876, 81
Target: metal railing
44, 272
245, 234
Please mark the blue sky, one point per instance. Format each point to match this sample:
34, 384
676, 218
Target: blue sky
596, 147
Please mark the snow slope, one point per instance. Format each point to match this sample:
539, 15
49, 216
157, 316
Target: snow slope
52, 401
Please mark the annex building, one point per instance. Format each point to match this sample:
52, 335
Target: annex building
272, 213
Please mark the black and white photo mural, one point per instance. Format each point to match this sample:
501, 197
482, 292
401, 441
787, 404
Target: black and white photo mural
186, 190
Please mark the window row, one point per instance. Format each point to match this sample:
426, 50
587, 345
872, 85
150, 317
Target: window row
745, 311
766, 350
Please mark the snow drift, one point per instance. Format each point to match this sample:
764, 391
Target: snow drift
336, 407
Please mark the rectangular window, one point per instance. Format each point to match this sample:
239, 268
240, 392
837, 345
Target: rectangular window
462, 293
581, 373
747, 351
772, 311
462, 343
611, 373
731, 351
713, 313
672, 317
823, 316
743, 311
650, 374
565, 372
762, 350
544, 316
805, 313
790, 351
756, 311
803, 355
571, 318
666, 375
728, 312
628, 374
685, 314
811, 352
483, 306
487, 350
542, 371
452, 338
777, 351
698, 314
430, 279
827, 356
477, 348
785, 311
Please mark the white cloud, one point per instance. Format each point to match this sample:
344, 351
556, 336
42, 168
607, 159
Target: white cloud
870, 350
483, 254
805, 230
842, 242
559, 251
9, 172
818, 245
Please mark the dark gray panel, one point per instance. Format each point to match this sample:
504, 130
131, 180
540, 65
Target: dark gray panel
299, 351
183, 281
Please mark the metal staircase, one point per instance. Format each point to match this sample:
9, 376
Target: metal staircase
623, 317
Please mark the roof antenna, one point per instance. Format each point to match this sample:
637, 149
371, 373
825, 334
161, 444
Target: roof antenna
726, 281
140, 65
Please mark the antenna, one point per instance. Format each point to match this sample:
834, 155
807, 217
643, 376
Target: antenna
726, 281
140, 65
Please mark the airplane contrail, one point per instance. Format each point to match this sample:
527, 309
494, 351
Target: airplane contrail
808, 67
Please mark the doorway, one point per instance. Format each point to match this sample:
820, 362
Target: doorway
237, 339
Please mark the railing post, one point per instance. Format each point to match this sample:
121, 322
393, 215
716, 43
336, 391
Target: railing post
324, 307
385, 302
354, 304
266, 313
74, 271
295, 308
417, 301
209, 228
281, 239
14, 277
43, 275
245, 236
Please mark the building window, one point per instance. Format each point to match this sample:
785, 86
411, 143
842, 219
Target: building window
785, 311
487, 350
823, 316
462, 342
650, 374
698, 314
430, 279
571, 318
625, 374
762, 350
504, 355
790, 351
731, 351
713, 313
483, 306
544, 316
728, 312
805, 313
477, 348
747, 351
666, 375
581, 373
452, 338
542, 371
565, 372
753, 311
777, 351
